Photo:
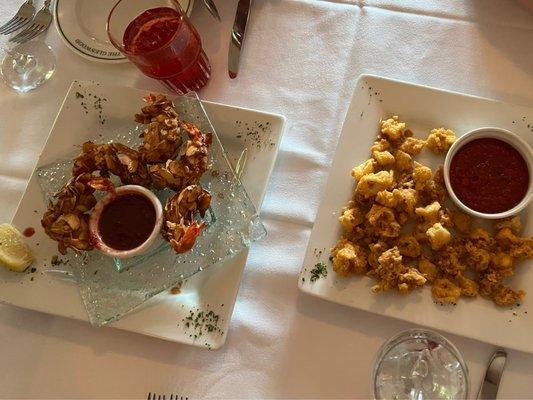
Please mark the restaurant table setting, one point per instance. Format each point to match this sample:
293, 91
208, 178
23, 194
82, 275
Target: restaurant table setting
279, 84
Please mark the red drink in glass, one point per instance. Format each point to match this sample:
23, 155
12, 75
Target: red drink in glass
161, 42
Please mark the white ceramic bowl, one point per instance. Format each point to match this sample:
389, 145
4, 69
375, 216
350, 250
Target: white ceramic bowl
97, 211
496, 133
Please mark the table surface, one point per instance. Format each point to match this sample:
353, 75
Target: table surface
301, 59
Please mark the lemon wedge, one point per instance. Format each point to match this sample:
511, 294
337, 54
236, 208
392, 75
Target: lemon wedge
14, 253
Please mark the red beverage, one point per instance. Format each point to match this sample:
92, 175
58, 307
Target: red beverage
164, 45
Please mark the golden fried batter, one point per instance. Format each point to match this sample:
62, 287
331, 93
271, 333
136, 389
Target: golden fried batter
348, 258
440, 140
397, 231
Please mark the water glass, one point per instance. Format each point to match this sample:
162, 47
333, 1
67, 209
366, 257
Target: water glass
420, 365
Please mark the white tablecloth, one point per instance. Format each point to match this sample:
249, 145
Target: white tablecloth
301, 59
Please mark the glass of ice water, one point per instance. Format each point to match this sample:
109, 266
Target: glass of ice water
420, 365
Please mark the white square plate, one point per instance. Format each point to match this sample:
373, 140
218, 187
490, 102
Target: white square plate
214, 289
422, 108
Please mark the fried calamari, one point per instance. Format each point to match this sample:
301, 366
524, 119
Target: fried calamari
397, 231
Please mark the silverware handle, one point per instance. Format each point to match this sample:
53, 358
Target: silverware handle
491, 382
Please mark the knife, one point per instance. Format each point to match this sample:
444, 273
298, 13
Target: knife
212, 8
237, 37
491, 382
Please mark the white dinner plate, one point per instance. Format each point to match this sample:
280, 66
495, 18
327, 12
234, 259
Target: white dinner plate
81, 24
422, 108
214, 289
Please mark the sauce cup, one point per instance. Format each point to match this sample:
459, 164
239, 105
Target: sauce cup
495, 133
94, 221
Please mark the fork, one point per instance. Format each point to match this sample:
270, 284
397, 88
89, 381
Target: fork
41, 22
21, 18
153, 396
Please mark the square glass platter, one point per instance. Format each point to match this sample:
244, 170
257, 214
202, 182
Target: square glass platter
110, 287
215, 289
422, 108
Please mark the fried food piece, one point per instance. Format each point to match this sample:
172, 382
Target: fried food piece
351, 217
190, 167
66, 221
448, 260
428, 269
180, 228
383, 158
410, 280
438, 236
440, 140
370, 184
445, 291
114, 158
430, 187
385, 282
162, 137
392, 128
409, 246
482, 238
429, 212
376, 249
461, 221
513, 223
386, 198
380, 144
445, 218
501, 260
383, 221
365, 168
403, 161
523, 250
490, 279
505, 238
421, 175
412, 146
468, 287
505, 296
420, 229
476, 258
402, 200
392, 274
406, 200
349, 258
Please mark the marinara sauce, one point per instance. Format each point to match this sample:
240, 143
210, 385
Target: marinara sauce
489, 175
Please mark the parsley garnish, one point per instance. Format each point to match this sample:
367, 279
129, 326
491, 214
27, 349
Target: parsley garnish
319, 271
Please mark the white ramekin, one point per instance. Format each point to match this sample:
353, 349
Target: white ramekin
496, 133
97, 212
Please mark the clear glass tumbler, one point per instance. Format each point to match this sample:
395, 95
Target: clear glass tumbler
159, 39
420, 365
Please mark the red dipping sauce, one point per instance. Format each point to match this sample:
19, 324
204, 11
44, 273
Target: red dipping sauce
29, 232
126, 222
489, 175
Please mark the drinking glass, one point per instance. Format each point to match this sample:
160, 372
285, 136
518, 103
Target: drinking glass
420, 365
159, 39
28, 65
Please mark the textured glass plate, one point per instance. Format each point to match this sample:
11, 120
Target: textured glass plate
109, 292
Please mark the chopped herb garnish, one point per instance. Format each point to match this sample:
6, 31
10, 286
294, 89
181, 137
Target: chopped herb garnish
202, 322
319, 271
